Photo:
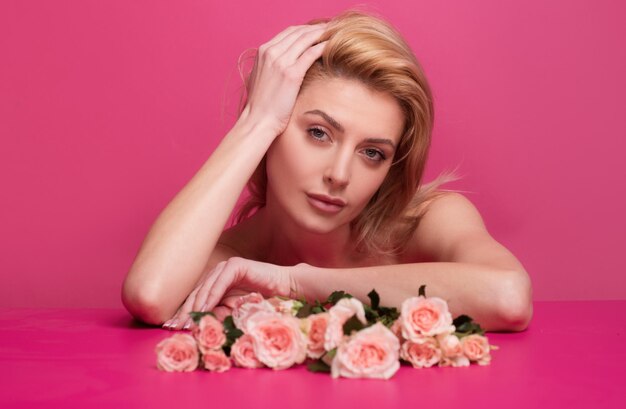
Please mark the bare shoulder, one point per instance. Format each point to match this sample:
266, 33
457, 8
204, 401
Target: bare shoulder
452, 229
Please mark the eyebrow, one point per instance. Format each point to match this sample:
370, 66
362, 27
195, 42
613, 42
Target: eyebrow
340, 128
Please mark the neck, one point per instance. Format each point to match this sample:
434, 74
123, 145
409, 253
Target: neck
290, 244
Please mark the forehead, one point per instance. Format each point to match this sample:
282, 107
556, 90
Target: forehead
358, 108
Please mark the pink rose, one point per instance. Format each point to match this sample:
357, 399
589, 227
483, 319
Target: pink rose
178, 353
396, 328
457, 361
425, 316
216, 361
242, 352
248, 305
253, 298
450, 345
315, 329
209, 333
338, 314
372, 352
422, 354
278, 341
476, 348
285, 306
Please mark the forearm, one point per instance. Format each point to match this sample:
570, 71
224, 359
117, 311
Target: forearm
178, 245
479, 291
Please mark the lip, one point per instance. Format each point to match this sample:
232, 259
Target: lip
326, 203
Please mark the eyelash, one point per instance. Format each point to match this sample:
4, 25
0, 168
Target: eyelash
380, 153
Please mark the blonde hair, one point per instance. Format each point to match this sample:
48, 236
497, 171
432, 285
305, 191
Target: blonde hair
365, 47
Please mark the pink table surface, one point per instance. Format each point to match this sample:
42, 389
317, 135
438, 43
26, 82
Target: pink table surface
572, 355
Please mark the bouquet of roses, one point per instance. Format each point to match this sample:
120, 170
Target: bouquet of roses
341, 336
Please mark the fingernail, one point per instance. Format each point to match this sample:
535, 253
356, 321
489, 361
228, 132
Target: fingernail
187, 324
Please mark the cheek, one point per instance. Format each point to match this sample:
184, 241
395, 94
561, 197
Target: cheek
289, 161
367, 179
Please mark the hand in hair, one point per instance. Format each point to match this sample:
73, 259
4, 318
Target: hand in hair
279, 69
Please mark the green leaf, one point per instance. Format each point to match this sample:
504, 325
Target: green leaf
196, 316
305, 311
374, 299
318, 366
317, 310
422, 290
228, 323
352, 324
370, 314
336, 296
232, 332
465, 325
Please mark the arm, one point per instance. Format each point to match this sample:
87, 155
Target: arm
475, 274
174, 254
472, 289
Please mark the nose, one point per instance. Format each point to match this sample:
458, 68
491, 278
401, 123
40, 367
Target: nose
337, 173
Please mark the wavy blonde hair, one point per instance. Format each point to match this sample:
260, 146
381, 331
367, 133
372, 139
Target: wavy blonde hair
365, 47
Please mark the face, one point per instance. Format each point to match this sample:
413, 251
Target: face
337, 147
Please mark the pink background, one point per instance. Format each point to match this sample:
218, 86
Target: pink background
108, 108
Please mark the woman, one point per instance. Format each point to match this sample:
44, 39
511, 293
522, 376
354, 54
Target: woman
332, 140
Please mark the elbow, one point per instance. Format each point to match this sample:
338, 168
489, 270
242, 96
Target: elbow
517, 306
142, 305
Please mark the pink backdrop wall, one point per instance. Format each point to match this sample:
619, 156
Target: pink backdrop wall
108, 108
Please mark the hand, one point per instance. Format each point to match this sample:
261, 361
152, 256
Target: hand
277, 75
181, 319
227, 282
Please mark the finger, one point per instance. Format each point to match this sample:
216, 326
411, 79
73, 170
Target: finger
303, 43
221, 312
309, 57
203, 290
297, 42
167, 324
289, 31
182, 315
279, 49
226, 278
232, 298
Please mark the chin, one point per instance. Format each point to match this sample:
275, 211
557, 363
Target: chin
314, 223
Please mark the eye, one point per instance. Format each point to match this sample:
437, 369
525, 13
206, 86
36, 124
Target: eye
374, 154
317, 133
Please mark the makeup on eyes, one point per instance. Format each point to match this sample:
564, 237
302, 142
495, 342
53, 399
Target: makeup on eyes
333, 122
381, 153
319, 134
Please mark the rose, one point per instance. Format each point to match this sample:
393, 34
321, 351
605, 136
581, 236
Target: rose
372, 352
396, 328
450, 345
422, 354
455, 362
285, 306
178, 353
242, 352
216, 361
425, 316
338, 314
476, 348
247, 305
209, 333
278, 341
315, 328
